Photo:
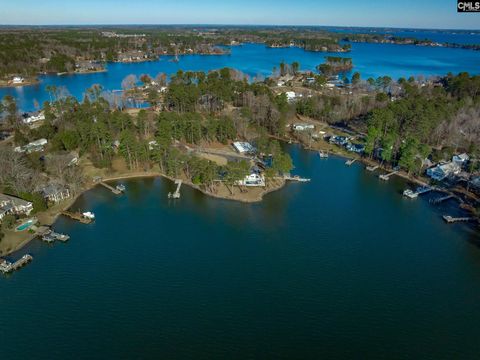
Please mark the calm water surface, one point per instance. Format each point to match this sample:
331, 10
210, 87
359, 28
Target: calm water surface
371, 60
342, 267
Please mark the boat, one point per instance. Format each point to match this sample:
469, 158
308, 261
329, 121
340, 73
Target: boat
323, 155
410, 194
89, 215
120, 187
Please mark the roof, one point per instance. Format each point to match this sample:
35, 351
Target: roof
14, 200
52, 189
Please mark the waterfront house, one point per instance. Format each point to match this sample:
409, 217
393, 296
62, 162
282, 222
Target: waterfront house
461, 160
442, 171
13, 205
338, 140
252, 180
55, 193
31, 119
303, 127
356, 148
18, 80
243, 147
34, 146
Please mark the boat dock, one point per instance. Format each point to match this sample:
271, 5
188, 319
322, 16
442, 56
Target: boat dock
350, 162
176, 194
295, 178
386, 177
441, 199
51, 236
372, 168
116, 191
450, 219
77, 216
7, 267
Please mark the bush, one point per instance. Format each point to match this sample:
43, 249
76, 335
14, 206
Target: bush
8, 221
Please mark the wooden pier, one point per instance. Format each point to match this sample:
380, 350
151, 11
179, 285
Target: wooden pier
111, 188
372, 168
450, 219
77, 216
350, 162
7, 267
386, 177
441, 199
176, 194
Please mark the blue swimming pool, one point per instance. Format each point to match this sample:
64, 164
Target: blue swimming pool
26, 225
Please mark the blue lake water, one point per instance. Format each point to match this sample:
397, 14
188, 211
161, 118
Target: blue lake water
371, 60
342, 267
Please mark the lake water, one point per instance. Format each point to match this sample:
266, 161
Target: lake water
341, 267
371, 60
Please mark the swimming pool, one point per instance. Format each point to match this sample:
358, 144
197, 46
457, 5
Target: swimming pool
26, 225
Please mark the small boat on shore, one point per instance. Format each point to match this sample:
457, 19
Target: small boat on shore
120, 187
89, 215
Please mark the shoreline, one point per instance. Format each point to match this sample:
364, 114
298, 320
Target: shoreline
51, 215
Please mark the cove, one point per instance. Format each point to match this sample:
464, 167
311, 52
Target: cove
341, 267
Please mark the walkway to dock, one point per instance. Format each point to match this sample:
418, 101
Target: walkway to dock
176, 194
372, 168
441, 199
350, 162
6, 266
295, 178
386, 177
450, 219
111, 188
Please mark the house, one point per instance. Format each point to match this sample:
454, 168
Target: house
13, 205
243, 147
55, 193
28, 120
253, 179
34, 146
303, 127
338, 140
356, 148
442, 171
461, 159
291, 96
18, 80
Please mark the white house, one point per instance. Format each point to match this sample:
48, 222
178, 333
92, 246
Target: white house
243, 147
18, 80
34, 118
13, 205
303, 127
443, 171
253, 179
34, 146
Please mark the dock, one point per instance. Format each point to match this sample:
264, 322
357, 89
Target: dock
51, 236
111, 188
441, 199
450, 219
176, 194
372, 168
386, 177
295, 178
7, 267
77, 216
350, 162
